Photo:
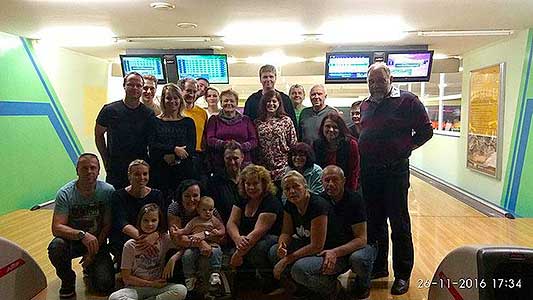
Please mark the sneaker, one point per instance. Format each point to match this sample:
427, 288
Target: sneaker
214, 279
190, 283
67, 292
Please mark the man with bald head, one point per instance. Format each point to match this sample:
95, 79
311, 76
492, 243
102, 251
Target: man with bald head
393, 124
311, 117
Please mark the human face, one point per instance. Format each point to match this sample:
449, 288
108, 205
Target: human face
297, 96
189, 92
299, 160
190, 198
229, 104
272, 105
149, 222
356, 115
268, 80
333, 183
331, 130
318, 97
149, 89
139, 176
88, 169
133, 87
253, 187
379, 83
202, 86
211, 97
233, 160
172, 102
205, 210
294, 190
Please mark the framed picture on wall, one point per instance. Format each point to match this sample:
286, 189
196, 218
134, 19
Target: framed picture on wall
485, 120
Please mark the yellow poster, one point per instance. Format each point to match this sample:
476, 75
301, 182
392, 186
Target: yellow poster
483, 120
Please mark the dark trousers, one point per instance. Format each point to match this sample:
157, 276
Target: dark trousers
101, 276
385, 193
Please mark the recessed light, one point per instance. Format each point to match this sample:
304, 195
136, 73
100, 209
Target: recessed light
161, 5
187, 25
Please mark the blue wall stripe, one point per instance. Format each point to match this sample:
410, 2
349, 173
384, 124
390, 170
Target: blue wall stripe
52, 100
522, 146
513, 174
13, 108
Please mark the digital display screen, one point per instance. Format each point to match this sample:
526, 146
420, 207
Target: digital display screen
144, 65
213, 67
410, 66
347, 67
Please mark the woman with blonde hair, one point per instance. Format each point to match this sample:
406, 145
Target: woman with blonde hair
172, 141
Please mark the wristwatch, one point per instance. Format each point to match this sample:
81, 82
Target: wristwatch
207, 234
81, 235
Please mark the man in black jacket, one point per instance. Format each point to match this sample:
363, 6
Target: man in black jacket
267, 76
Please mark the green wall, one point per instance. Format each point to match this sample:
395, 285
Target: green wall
445, 157
42, 131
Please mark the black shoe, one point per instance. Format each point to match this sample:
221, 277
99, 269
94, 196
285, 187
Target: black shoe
67, 292
361, 293
379, 274
400, 286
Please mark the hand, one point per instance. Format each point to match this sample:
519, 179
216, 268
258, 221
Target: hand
170, 159
86, 260
181, 152
236, 260
205, 249
168, 272
282, 250
175, 231
146, 244
243, 243
330, 260
159, 283
91, 242
279, 268
215, 232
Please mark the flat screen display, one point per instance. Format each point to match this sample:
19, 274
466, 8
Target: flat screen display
144, 65
347, 67
409, 66
213, 67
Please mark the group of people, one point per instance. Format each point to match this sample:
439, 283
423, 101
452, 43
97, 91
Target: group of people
286, 193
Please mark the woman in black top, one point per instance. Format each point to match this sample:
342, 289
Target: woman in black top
172, 142
125, 206
254, 222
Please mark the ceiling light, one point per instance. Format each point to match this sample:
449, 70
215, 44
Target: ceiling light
167, 38
452, 33
357, 30
187, 25
276, 58
161, 5
77, 36
262, 33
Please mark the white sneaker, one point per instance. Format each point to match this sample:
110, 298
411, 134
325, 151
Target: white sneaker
190, 283
214, 279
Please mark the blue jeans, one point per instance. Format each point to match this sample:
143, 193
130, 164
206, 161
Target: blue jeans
190, 256
306, 271
101, 274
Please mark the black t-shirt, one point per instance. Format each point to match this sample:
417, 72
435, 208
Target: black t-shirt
225, 193
302, 223
125, 209
166, 135
350, 210
127, 133
270, 204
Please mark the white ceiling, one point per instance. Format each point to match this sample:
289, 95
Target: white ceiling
126, 18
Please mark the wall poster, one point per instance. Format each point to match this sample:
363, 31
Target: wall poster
485, 120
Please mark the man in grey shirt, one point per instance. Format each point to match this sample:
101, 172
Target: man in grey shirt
311, 117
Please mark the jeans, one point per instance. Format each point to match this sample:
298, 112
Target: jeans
171, 291
257, 258
101, 275
385, 193
190, 257
306, 271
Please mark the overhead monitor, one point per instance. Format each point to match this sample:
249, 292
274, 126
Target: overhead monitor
410, 66
213, 67
347, 67
144, 65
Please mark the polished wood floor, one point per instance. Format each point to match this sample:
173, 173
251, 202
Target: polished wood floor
440, 224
